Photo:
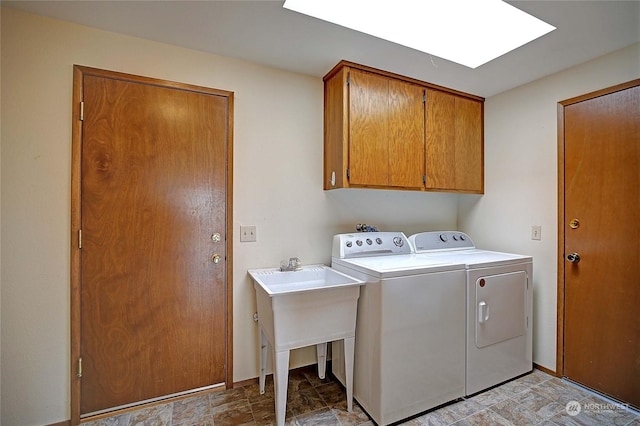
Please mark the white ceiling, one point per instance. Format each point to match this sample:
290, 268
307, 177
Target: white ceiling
264, 32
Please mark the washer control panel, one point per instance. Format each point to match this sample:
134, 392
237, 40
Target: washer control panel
440, 240
362, 244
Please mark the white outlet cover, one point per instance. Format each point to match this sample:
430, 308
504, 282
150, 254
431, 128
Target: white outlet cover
247, 233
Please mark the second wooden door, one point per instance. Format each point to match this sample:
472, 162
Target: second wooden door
602, 242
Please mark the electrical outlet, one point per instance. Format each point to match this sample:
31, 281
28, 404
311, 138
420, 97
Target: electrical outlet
247, 233
536, 232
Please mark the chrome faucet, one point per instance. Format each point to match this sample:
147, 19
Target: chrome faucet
293, 265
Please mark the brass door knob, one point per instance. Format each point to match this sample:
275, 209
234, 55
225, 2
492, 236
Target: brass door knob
216, 258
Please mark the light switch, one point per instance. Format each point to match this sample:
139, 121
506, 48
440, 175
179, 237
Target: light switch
536, 232
247, 233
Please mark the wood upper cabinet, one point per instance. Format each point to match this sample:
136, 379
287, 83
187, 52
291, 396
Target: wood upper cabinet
406, 134
368, 129
454, 143
378, 133
386, 131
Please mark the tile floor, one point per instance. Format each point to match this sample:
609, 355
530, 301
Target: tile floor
534, 399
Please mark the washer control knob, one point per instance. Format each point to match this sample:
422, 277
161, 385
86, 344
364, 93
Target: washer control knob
455, 237
443, 238
349, 244
379, 240
359, 243
462, 238
369, 241
399, 242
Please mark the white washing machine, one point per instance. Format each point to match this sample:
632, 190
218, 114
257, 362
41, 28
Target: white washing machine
499, 300
410, 328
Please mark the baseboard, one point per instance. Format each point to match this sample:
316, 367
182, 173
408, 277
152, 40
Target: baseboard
64, 423
546, 370
247, 382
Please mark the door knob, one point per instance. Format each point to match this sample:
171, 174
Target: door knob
573, 257
216, 258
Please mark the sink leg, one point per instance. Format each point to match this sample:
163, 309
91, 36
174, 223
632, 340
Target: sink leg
264, 344
281, 378
321, 350
349, 344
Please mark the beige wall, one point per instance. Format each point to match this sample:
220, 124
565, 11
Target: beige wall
278, 188
521, 179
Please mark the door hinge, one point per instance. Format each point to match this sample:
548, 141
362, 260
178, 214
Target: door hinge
424, 97
424, 179
81, 110
348, 79
348, 174
79, 238
79, 373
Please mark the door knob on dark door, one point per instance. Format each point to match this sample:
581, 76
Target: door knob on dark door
573, 257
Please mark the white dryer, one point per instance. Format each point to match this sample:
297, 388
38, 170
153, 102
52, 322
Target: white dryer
410, 328
499, 300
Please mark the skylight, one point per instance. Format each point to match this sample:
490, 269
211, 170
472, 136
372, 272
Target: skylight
468, 32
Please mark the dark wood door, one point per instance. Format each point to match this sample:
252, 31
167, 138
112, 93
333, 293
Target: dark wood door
153, 314
602, 225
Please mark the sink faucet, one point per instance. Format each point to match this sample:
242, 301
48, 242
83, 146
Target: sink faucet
293, 265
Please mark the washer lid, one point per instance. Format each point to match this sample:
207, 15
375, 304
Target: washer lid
398, 266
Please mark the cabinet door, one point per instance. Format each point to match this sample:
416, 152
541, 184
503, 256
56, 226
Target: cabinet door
454, 143
406, 134
368, 129
469, 145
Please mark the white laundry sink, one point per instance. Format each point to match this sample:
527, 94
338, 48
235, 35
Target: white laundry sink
301, 308
310, 278
312, 306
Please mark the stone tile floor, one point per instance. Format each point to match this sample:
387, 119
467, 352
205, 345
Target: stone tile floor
534, 399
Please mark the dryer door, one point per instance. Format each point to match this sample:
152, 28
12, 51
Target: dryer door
500, 307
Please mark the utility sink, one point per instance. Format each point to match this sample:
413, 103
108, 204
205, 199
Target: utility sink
302, 308
310, 278
312, 306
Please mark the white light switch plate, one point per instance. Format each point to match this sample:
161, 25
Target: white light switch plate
536, 232
247, 233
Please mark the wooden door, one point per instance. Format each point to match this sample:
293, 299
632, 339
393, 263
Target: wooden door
368, 129
601, 223
454, 143
153, 192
